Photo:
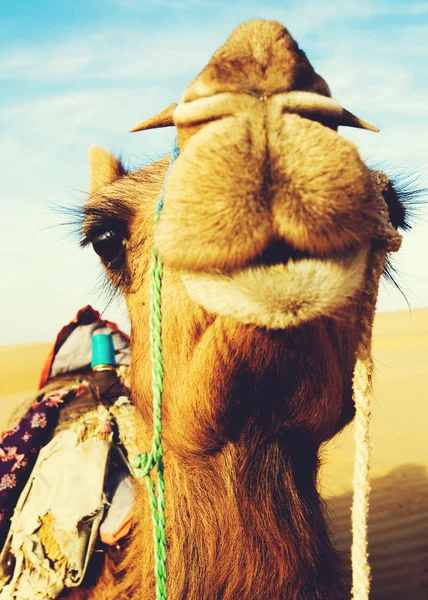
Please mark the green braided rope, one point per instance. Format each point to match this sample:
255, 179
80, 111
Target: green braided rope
158, 509
144, 463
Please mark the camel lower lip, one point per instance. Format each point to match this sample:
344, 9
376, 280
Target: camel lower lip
281, 295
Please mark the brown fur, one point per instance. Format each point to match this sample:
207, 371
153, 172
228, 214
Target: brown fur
245, 408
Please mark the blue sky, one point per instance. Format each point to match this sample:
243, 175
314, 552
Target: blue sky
73, 74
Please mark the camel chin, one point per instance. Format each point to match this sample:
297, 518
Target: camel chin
281, 295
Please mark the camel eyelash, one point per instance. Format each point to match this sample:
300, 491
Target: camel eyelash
94, 221
405, 201
94, 230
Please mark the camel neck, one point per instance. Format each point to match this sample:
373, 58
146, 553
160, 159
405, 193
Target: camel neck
246, 523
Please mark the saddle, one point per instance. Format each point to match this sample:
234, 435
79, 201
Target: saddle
66, 485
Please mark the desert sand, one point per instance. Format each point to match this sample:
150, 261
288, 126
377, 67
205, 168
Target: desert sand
398, 523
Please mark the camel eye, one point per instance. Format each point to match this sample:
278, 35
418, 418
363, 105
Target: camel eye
110, 246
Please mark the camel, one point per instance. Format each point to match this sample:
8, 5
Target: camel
272, 235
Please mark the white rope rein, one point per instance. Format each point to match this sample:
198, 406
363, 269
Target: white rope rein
362, 385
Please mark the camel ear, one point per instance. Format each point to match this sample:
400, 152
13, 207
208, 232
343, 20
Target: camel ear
164, 118
105, 168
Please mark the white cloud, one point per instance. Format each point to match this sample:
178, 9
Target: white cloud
113, 55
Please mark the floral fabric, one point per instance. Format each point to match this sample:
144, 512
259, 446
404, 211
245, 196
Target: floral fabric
20, 446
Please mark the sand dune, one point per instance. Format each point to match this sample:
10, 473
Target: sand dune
398, 533
398, 524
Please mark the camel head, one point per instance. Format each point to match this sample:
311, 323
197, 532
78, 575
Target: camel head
270, 216
269, 213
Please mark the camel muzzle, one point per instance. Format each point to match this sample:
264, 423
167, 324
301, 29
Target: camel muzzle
253, 171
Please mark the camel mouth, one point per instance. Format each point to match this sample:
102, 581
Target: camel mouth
283, 287
279, 253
